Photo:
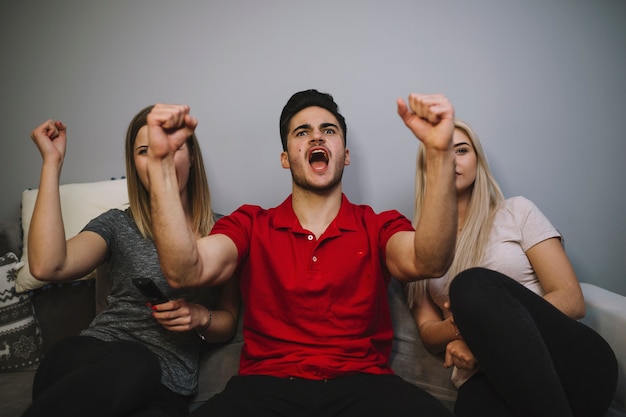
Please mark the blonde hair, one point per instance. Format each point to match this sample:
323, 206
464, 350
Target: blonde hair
472, 239
197, 185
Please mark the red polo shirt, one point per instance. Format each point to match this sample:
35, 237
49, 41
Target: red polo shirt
314, 309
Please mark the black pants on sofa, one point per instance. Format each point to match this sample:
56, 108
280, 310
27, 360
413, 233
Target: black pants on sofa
534, 360
84, 376
358, 395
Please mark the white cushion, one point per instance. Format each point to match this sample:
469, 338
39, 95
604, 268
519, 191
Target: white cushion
80, 202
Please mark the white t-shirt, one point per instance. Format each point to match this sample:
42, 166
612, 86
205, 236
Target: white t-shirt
518, 226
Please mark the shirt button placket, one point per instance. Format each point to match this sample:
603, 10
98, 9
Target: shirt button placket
311, 238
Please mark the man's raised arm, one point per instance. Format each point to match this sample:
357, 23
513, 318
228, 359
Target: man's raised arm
430, 250
185, 259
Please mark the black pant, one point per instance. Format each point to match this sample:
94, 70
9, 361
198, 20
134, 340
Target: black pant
359, 395
534, 360
84, 376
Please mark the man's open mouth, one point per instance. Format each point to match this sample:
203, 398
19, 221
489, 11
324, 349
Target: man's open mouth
318, 158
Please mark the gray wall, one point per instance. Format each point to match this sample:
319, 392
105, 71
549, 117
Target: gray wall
542, 81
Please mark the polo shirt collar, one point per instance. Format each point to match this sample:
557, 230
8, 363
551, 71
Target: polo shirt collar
285, 217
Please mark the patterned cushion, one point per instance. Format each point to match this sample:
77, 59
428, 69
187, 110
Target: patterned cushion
20, 336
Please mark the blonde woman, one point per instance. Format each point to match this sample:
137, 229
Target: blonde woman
133, 359
505, 312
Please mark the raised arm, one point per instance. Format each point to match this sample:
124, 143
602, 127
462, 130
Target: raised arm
50, 257
429, 251
185, 260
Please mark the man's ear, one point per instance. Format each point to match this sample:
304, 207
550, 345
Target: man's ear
346, 159
284, 160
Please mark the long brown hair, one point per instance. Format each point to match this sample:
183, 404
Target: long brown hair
198, 186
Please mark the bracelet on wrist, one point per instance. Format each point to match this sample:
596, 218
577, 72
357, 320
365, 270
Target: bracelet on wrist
202, 329
456, 333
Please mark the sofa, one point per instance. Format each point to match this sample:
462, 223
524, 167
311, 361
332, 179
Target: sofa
59, 310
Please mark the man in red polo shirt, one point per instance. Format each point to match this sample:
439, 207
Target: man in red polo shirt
315, 269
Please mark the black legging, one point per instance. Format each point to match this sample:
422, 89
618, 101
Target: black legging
85, 376
534, 360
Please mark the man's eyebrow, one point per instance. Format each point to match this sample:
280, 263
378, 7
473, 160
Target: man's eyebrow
328, 124
304, 126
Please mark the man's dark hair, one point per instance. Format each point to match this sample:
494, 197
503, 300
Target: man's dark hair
304, 99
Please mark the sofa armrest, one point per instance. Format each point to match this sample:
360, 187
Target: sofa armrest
606, 314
